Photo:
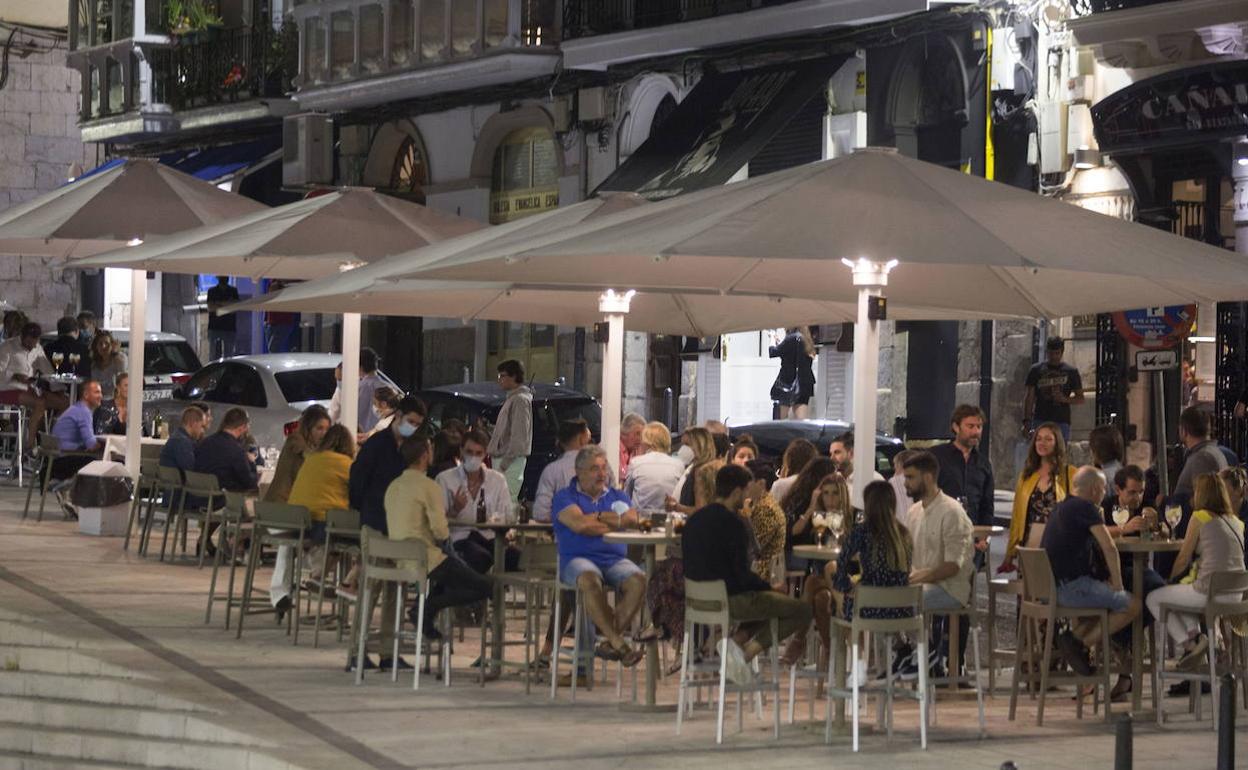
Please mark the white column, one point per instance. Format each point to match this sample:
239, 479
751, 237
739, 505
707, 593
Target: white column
350, 415
1239, 175
134, 392
870, 278
615, 307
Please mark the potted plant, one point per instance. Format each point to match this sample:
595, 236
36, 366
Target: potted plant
192, 19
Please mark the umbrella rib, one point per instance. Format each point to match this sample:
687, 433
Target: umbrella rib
1010, 281
684, 309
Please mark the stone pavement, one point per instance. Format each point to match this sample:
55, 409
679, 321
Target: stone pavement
148, 617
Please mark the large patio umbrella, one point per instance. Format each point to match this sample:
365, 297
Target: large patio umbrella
134, 200
128, 203
957, 243
316, 237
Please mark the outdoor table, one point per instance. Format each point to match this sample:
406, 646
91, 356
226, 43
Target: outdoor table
649, 541
500, 530
115, 444
72, 380
986, 532
817, 552
1140, 549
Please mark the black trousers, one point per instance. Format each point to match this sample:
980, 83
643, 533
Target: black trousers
455, 584
478, 553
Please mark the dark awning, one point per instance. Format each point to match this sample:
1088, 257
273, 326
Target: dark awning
719, 127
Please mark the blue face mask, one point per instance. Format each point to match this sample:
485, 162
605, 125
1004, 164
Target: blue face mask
406, 429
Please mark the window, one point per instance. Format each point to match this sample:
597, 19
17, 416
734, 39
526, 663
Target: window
371, 34
303, 385
441, 410
204, 383
240, 386
525, 175
410, 174
314, 49
169, 358
402, 24
342, 44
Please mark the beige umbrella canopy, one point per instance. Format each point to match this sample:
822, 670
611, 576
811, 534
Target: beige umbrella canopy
977, 247
137, 199
306, 239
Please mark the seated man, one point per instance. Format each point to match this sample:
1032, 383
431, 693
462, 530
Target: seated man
474, 493
585, 510
944, 547
574, 436
73, 430
179, 451
1076, 539
716, 546
21, 360
223, 455
414, 511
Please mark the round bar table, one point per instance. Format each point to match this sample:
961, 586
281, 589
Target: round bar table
649, 541
1140, 549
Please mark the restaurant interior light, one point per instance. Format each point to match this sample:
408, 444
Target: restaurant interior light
1241, 151
1086, 158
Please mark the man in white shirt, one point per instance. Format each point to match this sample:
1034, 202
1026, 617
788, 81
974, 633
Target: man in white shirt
841, 450
574, 436
475, 494
944, 541
21, 360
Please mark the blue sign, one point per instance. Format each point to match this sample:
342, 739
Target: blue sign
1156, 327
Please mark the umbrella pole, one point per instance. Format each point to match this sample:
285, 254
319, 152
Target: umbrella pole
870, 278
134, 388
350, 415
615, 307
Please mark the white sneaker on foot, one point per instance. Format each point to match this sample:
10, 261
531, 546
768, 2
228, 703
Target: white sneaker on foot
736, 668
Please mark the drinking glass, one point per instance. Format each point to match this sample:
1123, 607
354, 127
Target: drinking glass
836, 520
1121, 515
1174, 514
57, 359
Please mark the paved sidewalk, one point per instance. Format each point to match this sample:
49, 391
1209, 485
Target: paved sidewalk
149, 616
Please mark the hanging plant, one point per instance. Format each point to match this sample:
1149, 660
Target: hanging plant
190, 16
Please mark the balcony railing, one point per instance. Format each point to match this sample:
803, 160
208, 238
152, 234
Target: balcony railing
1088, 7
341, 40
586, 18
225, 65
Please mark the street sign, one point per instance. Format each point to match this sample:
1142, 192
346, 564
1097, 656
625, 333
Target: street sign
1156, 327
1156, 360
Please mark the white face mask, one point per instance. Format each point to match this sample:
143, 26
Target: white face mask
684, 454
472, 463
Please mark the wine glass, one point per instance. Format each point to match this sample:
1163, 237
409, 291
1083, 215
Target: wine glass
836, 520
74, 358
819, 522
1121, 516
1174, 514
57, 358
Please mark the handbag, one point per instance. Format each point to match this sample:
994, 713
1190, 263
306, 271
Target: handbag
784, 392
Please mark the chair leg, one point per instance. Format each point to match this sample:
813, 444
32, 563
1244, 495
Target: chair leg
723, 681
775, 677
398, 626
135, 505
683, 688
43, 493
1045, 656
853, 667
229, 590
1159, 662
836, 659
320, 596
363, 619
922, 695
292, 617
30, 491
1021, 643
1211, 651
1106, 658
556, 637
420, 630
253, 559
212, 586
979, 685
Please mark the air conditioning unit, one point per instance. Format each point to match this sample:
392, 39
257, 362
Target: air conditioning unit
307, 150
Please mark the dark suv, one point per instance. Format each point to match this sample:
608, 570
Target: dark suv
552, 404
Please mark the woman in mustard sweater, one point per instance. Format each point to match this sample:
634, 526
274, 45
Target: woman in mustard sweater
321, 484
1044, 482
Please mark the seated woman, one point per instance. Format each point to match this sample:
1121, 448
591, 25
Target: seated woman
880, 548
654, 473
1216, 534
695, 488
110, 418
767, 525
320, 484
819, 488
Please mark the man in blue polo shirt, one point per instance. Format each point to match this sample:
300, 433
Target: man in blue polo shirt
584, 511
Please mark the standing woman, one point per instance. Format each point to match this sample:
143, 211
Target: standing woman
795, 384
1044, 482
107, 361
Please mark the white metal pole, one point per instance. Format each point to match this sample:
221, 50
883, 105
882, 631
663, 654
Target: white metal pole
614, 306
350, 415
134, 391
870, 278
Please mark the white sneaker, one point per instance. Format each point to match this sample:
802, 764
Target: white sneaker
736, 668
859, 674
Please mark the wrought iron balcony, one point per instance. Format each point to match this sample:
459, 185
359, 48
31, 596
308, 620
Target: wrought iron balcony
587, 18
225, 65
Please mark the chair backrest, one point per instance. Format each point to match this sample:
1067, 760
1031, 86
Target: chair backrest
888, 598
49, 444
150, 452
149, 469
235, 505
1038, 583
537, 557
282, 516
202, 484
169, 476
1224, 583
706, 602
381, 558
342, 521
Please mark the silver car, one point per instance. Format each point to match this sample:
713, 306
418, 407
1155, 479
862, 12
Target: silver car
273, 388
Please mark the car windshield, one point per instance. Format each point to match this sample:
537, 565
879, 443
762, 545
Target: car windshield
302, 385
169, 358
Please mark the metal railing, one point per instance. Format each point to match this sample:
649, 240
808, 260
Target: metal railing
586, 18
225, 65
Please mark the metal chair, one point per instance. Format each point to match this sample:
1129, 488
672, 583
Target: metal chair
539, 573
195, 486
875, 597
167, 496
18, 415
144, 492
1218, 614
276, 524
400, 562
233, 515
706, 605
49, 451
1037, 623
342, 537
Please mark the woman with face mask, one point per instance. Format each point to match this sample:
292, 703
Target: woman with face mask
385, 402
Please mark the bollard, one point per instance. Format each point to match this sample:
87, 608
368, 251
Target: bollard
1122, 744
1226, 722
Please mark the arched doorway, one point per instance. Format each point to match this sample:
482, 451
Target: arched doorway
409, 174
524, 178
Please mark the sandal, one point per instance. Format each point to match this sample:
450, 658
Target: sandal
649, 634
631, 656
607, 651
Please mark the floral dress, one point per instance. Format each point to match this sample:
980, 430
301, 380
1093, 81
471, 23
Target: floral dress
1039, 507
875, 571
768, 526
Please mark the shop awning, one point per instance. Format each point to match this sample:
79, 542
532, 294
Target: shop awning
719, 127
215, 164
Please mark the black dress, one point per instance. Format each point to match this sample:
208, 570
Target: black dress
795, 365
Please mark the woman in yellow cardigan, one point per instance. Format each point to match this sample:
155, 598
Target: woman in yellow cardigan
1044, 482
321, 484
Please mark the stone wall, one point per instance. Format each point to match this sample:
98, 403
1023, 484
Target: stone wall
39, 143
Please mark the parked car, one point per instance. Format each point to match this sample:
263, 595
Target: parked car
774, 435
273, 388
552, 404
168, 360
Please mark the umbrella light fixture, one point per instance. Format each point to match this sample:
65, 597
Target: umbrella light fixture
614, 307
871, 278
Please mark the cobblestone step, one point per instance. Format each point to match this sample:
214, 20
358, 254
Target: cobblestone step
73, 743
